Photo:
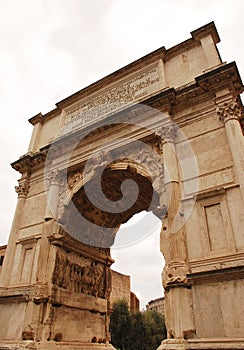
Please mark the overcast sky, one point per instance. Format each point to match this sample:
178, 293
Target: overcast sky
52, 48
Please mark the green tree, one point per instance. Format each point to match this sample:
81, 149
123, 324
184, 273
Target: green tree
136, 331
120, 325
156, 325
139, 333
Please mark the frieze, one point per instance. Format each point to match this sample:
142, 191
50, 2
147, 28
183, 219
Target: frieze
113, 99
88, 278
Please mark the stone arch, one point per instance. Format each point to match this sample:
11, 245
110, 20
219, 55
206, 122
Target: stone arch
142, 167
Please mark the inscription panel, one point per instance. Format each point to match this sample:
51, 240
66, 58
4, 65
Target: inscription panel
119, 95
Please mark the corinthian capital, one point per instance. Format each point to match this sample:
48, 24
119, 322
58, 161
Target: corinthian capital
167, 132
23, 188
53, 177
229, 111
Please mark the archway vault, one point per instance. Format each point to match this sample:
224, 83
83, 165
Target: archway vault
85, 203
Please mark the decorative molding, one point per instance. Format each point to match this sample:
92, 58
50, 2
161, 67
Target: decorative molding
30, 240
86, 302
215, 343
101, 255
217, 235
14, 298
217, 262
220, 190
217, 275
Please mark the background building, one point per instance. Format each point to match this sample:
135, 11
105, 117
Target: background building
121, 290
2, 253
156, 305
134, 302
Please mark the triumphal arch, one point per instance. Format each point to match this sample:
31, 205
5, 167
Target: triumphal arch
163, 134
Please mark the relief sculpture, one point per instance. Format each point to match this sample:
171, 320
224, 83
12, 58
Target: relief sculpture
89, 279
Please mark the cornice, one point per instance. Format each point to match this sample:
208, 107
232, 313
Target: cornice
36, 119
187, 95
161, 53
208, 29
39, 118
207, 85
163, 100
224, 76
65, 241
53, 113
27, 162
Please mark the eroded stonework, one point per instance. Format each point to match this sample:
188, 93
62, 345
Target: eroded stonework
175, 135
86, 277
126, 91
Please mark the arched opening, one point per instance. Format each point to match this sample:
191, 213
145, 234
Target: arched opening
108, 199
128, 188
136, 252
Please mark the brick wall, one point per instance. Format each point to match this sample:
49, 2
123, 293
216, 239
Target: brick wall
120, 287
134, 303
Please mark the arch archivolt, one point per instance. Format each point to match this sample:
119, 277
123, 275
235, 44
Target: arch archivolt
145, 161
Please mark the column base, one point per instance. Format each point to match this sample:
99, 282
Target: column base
216, 344
173, 344
202, 344
51, 345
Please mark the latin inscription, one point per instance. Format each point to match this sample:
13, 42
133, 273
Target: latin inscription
113, 99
